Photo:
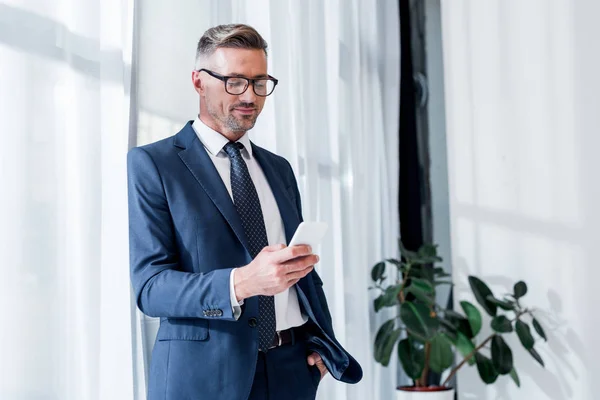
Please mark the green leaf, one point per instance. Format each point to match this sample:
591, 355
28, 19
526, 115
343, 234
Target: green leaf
421, 296
384, 330
501, 324
399, 264
440, 355
447, 328
481, 292
515, 377
473, 315
538, 328
377, 271
453, 314
418, 320
503, 304
427, 254
440, 272
408, 254
389, 298
384, 342
411, 357
502, 357
524, 334
461, 323
486, 369
438, 283
394, 261
422, 284
427, 250
537, 357
465, 346
378, 303
520, 289
422, 272
448, 325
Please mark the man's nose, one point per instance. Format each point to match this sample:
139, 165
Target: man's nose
248, 96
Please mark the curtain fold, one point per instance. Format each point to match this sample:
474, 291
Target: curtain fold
64, 121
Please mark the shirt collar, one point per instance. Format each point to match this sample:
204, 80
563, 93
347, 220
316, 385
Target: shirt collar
214, 141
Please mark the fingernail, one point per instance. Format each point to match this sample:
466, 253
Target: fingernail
309, 249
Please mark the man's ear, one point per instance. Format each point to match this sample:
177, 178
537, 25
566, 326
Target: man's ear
197, 82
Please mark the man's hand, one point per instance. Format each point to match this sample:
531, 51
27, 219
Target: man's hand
315, 359
275, 269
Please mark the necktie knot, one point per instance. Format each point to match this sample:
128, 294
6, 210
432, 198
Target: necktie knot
233, 149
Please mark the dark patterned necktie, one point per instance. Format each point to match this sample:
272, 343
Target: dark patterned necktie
247, 204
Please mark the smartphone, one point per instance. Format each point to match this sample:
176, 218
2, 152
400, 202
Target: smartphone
310, 233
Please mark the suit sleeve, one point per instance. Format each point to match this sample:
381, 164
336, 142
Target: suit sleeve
161, 288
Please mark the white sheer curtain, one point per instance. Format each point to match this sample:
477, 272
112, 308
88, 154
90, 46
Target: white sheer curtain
64, 121
334, 115
522, 89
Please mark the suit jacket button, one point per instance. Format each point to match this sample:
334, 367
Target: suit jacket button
219, 313
252, 322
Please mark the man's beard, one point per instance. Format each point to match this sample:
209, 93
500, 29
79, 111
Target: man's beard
243, 124
238, 125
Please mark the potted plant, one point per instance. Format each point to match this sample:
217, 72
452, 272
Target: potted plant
428, 335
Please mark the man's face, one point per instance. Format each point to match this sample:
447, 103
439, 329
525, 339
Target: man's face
231, 114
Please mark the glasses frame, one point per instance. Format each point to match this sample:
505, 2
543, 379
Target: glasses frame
249, 81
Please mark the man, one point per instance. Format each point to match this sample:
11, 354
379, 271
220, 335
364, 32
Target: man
242, 316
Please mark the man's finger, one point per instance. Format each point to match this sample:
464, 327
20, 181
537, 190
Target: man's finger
314, 358
289, 253
273, 247
300, 264
292, 276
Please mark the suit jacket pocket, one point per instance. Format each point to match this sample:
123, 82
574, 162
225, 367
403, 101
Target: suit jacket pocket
183, 329
333, 357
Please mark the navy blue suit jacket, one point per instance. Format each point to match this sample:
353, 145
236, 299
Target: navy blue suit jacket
185, 238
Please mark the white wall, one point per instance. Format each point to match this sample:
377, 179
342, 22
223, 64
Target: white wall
523, 134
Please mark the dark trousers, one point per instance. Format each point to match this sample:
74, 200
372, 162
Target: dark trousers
283, 374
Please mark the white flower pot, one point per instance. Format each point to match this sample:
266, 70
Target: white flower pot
447, 394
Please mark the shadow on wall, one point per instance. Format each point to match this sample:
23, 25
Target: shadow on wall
522, 99
556, 378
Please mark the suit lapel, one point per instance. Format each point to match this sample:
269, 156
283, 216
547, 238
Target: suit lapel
287, 208
289, 214
195, 157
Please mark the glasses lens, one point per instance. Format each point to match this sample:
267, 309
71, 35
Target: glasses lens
236, 85
264, 87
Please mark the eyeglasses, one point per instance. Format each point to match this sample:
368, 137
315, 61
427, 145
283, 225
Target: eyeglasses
236, 85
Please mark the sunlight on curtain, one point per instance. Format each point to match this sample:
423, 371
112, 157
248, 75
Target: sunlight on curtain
64, 120
334, 116
521, 85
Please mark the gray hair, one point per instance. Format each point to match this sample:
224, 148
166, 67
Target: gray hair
238, 36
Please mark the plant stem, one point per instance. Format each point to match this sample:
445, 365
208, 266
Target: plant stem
423, 379
401, 293
467, 358
525, 311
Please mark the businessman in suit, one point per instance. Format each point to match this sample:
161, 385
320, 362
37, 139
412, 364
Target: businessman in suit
242, 316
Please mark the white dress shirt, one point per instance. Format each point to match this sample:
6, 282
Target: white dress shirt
287, 309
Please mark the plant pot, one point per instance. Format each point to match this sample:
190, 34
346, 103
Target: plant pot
424, 393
